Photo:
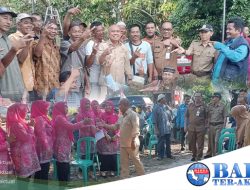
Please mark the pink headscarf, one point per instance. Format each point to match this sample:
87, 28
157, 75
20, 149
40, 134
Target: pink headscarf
40, 108
109, 116
85, 113
96, 108
2, 136
59, 110
16, 114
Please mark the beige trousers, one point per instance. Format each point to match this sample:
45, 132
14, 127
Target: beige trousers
127, 153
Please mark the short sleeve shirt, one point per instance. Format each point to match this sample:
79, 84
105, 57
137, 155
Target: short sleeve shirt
11, 83
146, 50
203, 56
95, 69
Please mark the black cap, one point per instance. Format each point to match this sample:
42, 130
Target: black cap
217, 94
4, 10
207, 28
169, 70
77, 23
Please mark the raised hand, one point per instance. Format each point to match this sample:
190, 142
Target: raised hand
20, 43
95, 47
179, 50
137, 53
74, 11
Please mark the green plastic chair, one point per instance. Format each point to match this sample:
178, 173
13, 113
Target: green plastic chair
84, 164
231, 144
118, 164
54, 169
153, 141
227, 130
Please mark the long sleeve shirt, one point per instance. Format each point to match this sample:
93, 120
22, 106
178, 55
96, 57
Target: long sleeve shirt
180, 118
234, 56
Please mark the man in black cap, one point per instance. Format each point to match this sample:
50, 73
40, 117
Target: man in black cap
168, 78
11, 82
203, 53
217, 117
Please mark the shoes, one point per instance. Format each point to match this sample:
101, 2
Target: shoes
112, 174
198, 159
159, 158
103, 174
182, 149
170, 157
193, 159
207, 156
79, 175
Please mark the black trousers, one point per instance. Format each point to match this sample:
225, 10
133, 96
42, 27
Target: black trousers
44, 172
63, 171
182, 133
108, 162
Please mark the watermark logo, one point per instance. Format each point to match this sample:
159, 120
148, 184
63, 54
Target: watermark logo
198, 174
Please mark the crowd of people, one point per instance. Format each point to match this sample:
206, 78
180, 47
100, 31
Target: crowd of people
85, 69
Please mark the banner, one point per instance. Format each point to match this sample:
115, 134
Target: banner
223, 172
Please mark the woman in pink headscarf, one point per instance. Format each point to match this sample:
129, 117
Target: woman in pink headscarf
108, 146
86, 113
44, 139
96, 110
63, 139
5, 161
22, 149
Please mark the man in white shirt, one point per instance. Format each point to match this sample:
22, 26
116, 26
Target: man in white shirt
91, 50
141, 56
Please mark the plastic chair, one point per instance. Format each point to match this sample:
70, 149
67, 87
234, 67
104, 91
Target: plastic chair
231, 142
118, 163
153, 141
84, 164
229, 130
54, 169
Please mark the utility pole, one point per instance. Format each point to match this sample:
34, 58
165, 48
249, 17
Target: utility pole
224, 21
33, 6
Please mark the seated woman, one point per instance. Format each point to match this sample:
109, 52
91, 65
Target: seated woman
109, 146
87, 114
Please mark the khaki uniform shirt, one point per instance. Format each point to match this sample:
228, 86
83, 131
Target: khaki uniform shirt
47, 69
163, 56
203, 56
216, 114
27, 67
129, 128
119, 59
196, 117
151, 41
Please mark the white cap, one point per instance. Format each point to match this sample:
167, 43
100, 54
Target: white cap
121, 23
160, 96
22, 16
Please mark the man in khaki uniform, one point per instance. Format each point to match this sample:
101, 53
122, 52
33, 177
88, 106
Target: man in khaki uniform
203, 54
196, 126
216, 119
129, 139
162, 50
